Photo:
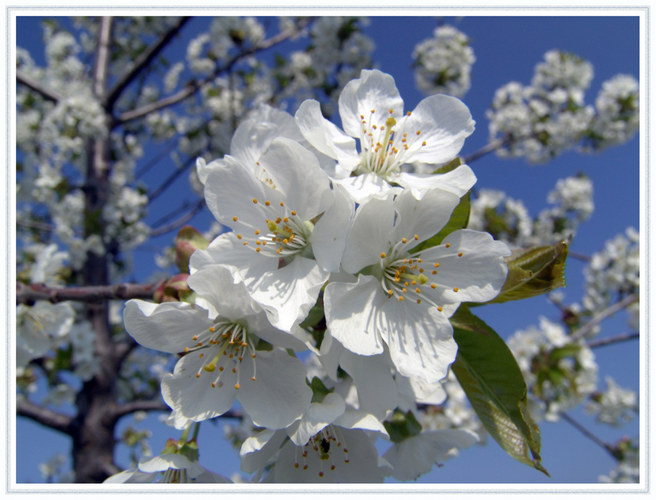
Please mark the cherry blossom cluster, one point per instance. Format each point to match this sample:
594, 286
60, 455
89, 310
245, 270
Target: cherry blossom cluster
443, 62
328, 260
508, 219
550, 116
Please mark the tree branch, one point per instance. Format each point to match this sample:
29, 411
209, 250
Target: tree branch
44, 416
609, 448
180, 221
143, 61
45, 92
28, 294
623, 337
609, 311
194, 86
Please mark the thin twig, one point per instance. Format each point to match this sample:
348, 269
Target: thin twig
44, 416
609, 448
194, 86
624, 337
28, 294
143, 61
488, 148
609, 311
45, 92
180, 221
171, 178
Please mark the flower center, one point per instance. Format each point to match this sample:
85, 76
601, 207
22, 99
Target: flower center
407, 276
282, 234
223, 346
385, 148
328, 447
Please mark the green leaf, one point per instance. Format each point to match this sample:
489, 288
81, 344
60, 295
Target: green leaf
319, 390
533, 272
495, 387
402, 426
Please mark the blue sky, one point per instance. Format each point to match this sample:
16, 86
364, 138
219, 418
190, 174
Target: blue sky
506, 48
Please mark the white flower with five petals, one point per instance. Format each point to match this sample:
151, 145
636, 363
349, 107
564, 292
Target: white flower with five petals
289, 228
219, 337
401, 298
390, 142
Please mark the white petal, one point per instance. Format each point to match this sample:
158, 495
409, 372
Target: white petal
166, 327
478, 274
325, 136
194, 399
254, 135
444, 122
428, 393
370, 234
365, 186
358, 419
374, 382
318, 416
228, 250
424, 217
350, 310
279, 395
416, 455
458, 181
258, 450
295, 174
288, 293
230, 189
373, 91
420, 339
217, 285
329, 235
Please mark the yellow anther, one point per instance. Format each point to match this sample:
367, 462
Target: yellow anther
418, 132
433, 286
186, 349
416, 237
253, 379
409, 113
404, 290
212, 329
439, 308
282, 203
437, 264
373, 111
448, 245
401, 298
455, 289
460, 254
286, 219
390, 292
258, 249
235, 218
237, 386
198, 375
383, 255
267, 203
293, 212
418, 290
391, 111
404, 240
418, 301
254, 200
433, 272
213, 385
257, 231
239, 236
195, 337
423, 143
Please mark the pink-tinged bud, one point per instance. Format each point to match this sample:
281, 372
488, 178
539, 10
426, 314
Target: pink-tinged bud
187, 242
173, 290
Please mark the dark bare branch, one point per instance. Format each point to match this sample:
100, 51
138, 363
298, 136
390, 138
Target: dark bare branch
28, 294
45, 92
143, 61
194, 86
44, 416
